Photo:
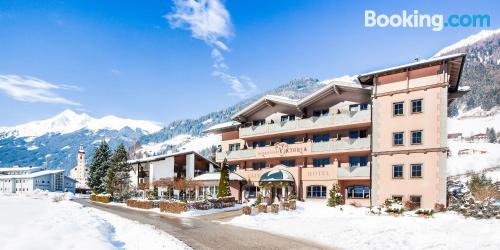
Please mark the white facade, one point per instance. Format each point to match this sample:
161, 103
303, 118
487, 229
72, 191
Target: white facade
28, 179
79, 172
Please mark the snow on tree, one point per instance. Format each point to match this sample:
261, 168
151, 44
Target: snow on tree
491, 134
224, 180
335, 197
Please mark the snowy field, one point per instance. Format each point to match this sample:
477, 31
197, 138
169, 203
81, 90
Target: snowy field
37, 222
354, 228
482, 156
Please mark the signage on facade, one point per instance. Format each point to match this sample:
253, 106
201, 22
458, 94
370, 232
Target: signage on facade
283, 150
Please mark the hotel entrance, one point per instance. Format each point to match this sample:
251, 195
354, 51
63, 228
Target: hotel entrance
276, 185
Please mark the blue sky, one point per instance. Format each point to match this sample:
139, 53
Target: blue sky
145, 60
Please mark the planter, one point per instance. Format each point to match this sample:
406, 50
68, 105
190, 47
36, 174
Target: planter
175, 207
142, 204
262, 208
100, 198
275, 208
246, 210
292, 204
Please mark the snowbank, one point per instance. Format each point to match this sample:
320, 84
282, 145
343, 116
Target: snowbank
36, 222
355, 228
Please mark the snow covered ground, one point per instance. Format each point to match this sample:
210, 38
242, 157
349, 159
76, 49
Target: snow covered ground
37, 222
481, 156
354, 228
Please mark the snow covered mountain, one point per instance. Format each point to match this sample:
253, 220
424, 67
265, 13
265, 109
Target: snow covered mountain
69, 121
54, 142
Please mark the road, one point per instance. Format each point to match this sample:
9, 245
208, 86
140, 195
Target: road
205, 232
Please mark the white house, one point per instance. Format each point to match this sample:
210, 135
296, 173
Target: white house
26, 179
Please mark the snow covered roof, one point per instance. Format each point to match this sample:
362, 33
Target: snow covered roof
264, 102
456, 62
215, 176
16, 168
333, 86
222, 126
31, 175
277, 175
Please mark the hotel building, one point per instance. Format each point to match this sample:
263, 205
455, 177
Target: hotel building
27, 179
378, 137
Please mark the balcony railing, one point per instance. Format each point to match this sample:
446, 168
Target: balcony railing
307, 123
347, 171
316, 147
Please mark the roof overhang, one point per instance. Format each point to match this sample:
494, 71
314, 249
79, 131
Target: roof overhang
335, 87
454, 66
261, 103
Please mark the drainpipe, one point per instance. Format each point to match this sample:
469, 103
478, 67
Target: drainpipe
374, 91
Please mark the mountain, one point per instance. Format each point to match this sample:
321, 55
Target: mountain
481, 71
54, 142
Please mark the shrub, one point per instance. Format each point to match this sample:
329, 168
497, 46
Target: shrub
275, 208
285, 205
424, 212
393, 206
142, 204
175, 207
439, 207
410, 205
482, 188
335, 198
103, 198
262, 208
258, 199
292, 204
247, 210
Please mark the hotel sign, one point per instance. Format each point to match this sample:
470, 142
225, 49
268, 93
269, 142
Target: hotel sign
283, 150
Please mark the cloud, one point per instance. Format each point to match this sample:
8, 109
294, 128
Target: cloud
242, 86
209, 21
31, 89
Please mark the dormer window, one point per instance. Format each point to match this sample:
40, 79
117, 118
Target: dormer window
318, 113
259, 122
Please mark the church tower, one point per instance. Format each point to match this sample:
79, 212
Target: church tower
79, 172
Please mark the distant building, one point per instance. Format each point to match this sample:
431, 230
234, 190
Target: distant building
79, 172
26, 179
455, 136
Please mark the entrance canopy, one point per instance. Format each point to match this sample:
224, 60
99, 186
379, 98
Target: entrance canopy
276, 175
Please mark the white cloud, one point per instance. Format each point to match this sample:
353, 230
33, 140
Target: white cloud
31, 89
242, 86
208, 20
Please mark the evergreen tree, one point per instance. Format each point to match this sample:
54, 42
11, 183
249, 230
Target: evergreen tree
224, 180
492, 135
119, 171
98, 168
335, 197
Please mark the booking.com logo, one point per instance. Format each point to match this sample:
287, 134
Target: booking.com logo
415, 20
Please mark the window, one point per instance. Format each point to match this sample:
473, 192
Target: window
397, 171
258, 122
355, 161
234, 147
289, 140
363, 134
288, 163
358, 192
354, 134
416, 106
321, 162
258, 165
232, 167
316, 192
323, 112
321, 138
416, 137
416, 170
363, 106
398, 138
258, 144
252, 191
285, 118
398, 108
417, 199
354, 108
397, 198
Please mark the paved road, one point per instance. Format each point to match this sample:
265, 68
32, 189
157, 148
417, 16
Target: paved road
206, 233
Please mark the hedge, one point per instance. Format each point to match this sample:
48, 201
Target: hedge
143, 204
175, 207
100, 198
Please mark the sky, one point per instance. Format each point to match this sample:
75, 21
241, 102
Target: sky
168, 60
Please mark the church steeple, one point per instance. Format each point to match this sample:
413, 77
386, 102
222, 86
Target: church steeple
81, 157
